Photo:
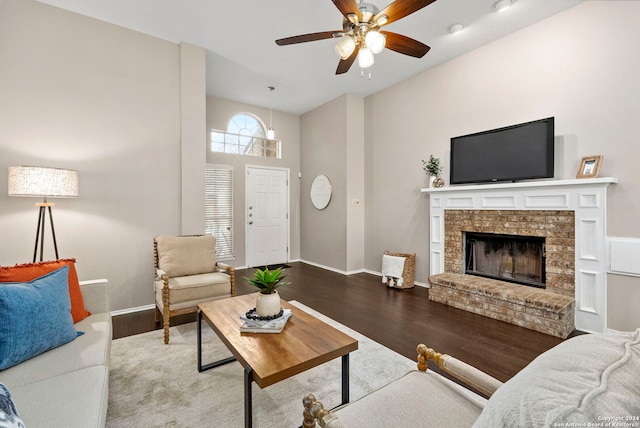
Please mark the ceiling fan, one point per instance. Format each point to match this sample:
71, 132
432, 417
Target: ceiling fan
361, 37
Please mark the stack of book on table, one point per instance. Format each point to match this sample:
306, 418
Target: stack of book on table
276, 325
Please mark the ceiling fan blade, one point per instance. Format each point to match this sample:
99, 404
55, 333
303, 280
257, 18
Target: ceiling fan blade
347, 6
307, 38
345, 64
405, 45
401, 8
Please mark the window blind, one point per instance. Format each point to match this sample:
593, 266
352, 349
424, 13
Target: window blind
219, 208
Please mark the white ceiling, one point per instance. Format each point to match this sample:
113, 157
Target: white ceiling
243, 59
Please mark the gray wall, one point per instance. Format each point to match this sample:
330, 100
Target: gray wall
355, 182
323, 137
82, 94
334, 237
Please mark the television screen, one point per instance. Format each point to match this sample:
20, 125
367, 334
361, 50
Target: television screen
518, 152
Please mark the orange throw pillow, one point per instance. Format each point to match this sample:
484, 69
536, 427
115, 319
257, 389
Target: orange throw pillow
30, 271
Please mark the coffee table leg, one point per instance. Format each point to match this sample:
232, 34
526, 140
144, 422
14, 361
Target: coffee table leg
345, 378
199, 342
202, 368
248, 406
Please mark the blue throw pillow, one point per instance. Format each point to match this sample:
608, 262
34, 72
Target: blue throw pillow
34, 317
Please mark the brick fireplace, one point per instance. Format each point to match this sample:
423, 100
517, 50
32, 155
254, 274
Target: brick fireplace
557, 227
548, 310
571, 217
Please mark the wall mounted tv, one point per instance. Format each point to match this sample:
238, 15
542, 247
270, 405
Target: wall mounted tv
518, 152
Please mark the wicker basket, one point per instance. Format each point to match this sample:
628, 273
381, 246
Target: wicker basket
409, 271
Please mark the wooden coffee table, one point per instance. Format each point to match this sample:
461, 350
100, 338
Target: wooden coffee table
268, 358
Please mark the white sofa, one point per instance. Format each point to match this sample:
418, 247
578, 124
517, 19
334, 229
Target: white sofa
68, 386
588, 380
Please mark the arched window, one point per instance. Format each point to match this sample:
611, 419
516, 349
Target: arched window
245, 135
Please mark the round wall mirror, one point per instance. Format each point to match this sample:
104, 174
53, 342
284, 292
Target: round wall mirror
321, 192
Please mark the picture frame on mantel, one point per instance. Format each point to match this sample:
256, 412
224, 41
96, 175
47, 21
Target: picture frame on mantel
590, 166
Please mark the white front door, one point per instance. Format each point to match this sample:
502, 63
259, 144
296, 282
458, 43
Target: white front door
267, 216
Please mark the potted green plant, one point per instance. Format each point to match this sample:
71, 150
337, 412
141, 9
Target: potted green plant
267, 281
433, 168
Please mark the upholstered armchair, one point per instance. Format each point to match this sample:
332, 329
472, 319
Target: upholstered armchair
187, 274
587, 380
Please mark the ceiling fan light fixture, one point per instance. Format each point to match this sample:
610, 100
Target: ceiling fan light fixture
359, 18
375, 41
456, 28
345, 47
501, 5
365, 58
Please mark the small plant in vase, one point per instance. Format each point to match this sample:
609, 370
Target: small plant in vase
267, 281
433, 168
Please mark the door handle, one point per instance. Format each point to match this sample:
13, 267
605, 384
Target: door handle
251, 222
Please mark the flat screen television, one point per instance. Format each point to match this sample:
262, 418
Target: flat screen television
518, 152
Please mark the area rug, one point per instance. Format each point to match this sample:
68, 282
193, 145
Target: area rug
156, 385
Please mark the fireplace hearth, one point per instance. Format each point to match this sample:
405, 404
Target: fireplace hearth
513, 258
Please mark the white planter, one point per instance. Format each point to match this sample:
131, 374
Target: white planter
268, 304
436, 182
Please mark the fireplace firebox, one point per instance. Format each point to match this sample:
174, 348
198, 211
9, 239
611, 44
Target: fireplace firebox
514, 258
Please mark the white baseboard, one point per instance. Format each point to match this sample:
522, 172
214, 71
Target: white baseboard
325, 267
419, 284
132, 310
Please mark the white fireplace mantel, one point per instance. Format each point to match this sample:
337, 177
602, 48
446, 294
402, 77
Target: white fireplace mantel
587, 197
579, 182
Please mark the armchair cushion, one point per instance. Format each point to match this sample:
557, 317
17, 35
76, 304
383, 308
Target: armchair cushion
186, 255
418, 399
584, 379
195, 287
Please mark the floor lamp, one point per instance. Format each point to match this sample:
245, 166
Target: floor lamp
37, 181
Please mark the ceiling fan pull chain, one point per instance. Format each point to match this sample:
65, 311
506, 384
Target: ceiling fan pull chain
368, 73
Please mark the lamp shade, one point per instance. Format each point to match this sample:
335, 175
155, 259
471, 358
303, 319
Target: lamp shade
37, 181
345, 47
375, 41
365, 58
271, 133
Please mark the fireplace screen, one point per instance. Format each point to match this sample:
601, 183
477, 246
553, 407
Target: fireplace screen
518, 259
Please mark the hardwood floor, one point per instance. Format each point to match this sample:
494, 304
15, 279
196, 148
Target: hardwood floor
397, 319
